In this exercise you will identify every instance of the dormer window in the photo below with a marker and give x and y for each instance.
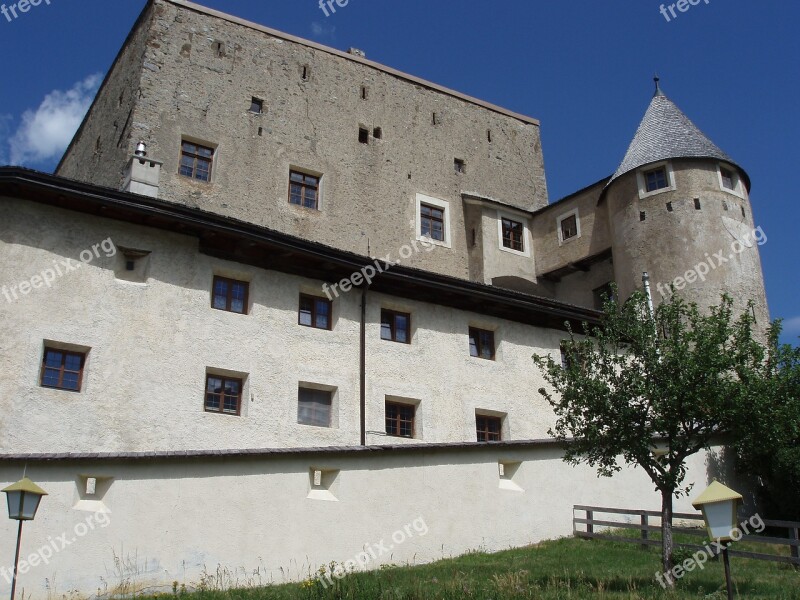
(655, 179)
(729, 180)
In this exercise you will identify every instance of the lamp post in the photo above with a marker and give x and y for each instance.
(23, 501)
(720, 506)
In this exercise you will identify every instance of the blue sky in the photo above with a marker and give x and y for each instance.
(583, 67)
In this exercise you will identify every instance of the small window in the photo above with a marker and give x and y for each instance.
(656, 179)
(459, 165)
(669, 207)
(223, 395)
(256, 106)
(481, 343)
(196, 161)
(436, 119)
(642, 215)
(488, 428)
(364, 92)
(569, 227)
(697, 204)
(603, 294)
(432, 222)
(513, 232)
(219, 48)
(62, 370)
(305, 72)
(395, 326)
(230, 295)
(728, 178)
(315, 312)
(744, 214)
(314, 407)
(363, 135)
(303, 190)
(400, 419)
(489, 135)
(377, 133)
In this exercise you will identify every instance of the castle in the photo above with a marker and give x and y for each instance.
(279, 301)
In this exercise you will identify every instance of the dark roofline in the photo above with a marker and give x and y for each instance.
(247, 243)
(281, 452)
(603, 181)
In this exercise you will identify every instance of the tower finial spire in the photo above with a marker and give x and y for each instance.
(658, 92)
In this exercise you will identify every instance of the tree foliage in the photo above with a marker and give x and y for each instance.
(653, 389)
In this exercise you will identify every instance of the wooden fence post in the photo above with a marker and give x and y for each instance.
(590, 518)
(645, 532)
(794, 533)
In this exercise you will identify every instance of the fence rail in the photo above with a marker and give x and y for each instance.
(584, 527)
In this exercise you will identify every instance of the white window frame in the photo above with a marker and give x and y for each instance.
(738, 189)
(561, 218)
(444, 205)
(642, 182)
(526, 236)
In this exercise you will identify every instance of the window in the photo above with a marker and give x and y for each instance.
(728, 178)
(223, 395)
(395, 326)
(364, 92)
(196, 161)
(656, 179)
(377, 133)
(488, 428)
(62, 370)
(697, 204)
(432, 222)
(314, 407)
(481, 343)
(305, 72)
(602, 294)
(230, 295)
(513, 235)
(400, 419)
(256, 106)
(303, 190)
(460, 165)
(315, 312)
(569, 227)
(363, 135)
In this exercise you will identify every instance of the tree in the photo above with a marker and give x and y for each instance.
(651, 390)
(766, 434)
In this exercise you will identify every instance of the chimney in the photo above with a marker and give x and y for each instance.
(357, 52)
(142, 173)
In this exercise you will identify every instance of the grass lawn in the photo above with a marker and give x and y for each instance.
(566, 568)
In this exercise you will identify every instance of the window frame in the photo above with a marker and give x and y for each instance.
(229, 296)
(641, 178)
(195, 157)
(486, 430)
(314, 313)
(422, 199)
(62, 369)
(399, 420)
(525, 239)
(304, 186)
(224, 379)
(560, 229)
(394, 314)
(314, 390)
(479, 343)
(738, 187)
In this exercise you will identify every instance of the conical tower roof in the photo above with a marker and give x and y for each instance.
(666, 133)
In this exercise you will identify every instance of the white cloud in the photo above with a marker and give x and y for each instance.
(45, 133)
(321, 30)
(791, 326)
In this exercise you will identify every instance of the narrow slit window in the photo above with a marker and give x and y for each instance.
(697, 203)
(363, 135)
(364, 92)
(642, 215)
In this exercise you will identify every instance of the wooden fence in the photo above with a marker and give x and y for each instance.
(639, 520)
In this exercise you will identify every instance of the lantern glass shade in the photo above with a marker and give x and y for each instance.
(22, 506)
(720, 519)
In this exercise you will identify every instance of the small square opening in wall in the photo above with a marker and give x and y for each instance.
(256, 105)
(642, 215)
(323, 484)
(363, 135)
(697, 204)
(132, 264)
(377, 133)
(507, 471)
(459, 165)
(92, 490)
(669, 207)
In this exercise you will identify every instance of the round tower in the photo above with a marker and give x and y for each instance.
(679, 209)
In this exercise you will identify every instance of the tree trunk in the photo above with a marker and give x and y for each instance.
(666, 535)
